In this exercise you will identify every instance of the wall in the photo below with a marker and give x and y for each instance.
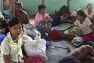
(31, 5)
(1, 5)
(77, 4)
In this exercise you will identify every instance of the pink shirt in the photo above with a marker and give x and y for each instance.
(40, 17)
(90, 16)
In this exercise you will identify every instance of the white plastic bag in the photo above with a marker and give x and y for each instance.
(77, 41)
(30, 30)
(35, 47)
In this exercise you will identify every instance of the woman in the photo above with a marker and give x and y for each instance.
(11, 45)
(20, 13)
(85, 25)
(90, 12)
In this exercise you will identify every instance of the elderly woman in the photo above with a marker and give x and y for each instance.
(90, 12)
(20, 13)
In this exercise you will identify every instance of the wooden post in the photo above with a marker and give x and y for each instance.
(68, 3)
(12, 8)
(43, 2)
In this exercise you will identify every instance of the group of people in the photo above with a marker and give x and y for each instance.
(11, 47)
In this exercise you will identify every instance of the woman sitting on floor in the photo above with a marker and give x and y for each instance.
(30, 29)
(90, 12)
(20, 13)
(85, 25)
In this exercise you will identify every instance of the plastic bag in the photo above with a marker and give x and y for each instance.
(2, 36)
(35, 47)
(77, 41)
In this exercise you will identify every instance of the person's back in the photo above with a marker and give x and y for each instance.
(81, 52)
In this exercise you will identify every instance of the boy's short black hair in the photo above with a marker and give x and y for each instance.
(41, 7)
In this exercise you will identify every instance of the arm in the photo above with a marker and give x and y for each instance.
(2, 31)
(92, 27)
(70, 27)
(47, 20)
(27, 18)
(43, 22)
(50, 19)
(7, 59)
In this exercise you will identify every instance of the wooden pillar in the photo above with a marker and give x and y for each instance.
(43, 2)
(68, 3)
(12, 8)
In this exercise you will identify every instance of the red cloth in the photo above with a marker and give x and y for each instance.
(56, 34)
(35, 59)
(89, 37)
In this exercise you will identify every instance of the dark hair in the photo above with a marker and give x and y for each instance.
(14, 21)
(81, 13)
(88, 4)
(41, 7)
(19, 4)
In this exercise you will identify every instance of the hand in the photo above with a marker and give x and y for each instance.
(24, 57)
(3, 30)
(43, 22)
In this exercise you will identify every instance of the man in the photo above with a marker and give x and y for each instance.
(79, 54)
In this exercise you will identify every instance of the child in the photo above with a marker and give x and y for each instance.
(85, 25)
(11, 45)
(79, 54)
(43, 21)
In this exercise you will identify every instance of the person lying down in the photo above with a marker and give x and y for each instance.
(79, 54)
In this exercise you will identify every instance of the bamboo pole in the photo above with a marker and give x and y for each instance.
(12, 8)
(43, 2)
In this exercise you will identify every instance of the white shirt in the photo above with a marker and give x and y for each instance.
(1, 15)
(8, 47)
(85, 26)
(90, 16)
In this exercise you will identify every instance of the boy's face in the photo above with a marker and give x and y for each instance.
(43, 11)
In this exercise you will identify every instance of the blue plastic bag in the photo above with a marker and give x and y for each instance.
(2, 36)
(47, 43)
